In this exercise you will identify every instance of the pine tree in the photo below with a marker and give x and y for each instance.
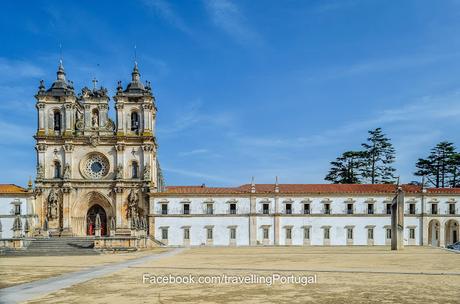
(454, 171)
(379, 157)
(346, 169)
(441, 167)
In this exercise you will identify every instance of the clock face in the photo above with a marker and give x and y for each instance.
(96, 166)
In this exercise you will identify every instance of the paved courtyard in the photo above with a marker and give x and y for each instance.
(343, 275)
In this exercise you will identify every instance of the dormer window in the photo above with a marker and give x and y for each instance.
(57, 121)
(135, 122)
(57, 169)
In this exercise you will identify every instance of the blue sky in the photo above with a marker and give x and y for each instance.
(245, 88)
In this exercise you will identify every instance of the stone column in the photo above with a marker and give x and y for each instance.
(41, 118)
(397, 221)
(442, 235)
(120, 118)
(276, 221)
(253, 221)
(68, 110)
(119, 208)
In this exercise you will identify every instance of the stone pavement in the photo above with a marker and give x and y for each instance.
(27, 291)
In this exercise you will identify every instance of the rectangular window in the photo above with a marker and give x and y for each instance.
(349, 233)
(327, 208)
(266, 233)
(306, 208)
(209, 209)
(349, 208)
(233, 208)
(186, 234)
(232, 233)
(17, 209)
(388, 208)
(370, 233)
(326, 233)
(412, 208)
(451, 208)
(209, 233)
(186, 208)
(288, 233)
(370, 208)
(288, 208)
(164, 208)
(388, 233)
(266, 208)
(412, 233)
(434, 208)
(164, 233)
(306, 233)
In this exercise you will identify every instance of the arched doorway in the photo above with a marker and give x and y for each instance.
(451, 232)
(433, 233)
(91, 220)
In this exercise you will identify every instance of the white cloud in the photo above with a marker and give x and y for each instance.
(15, 69)
(164, 9)
(226, 15)
(203, 176)
(191, 115)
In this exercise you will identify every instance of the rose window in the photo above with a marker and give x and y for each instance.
(96, 166)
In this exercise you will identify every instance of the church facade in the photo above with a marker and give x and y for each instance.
(94, 173)
(98, 177)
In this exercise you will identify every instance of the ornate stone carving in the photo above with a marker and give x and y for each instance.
(147, 172)
(67, 171)
(40, 172)
(53, 205)
(68, 147)
(41, 147)
(133, 205)
(109, 125)
(119, 172)
(94, 140)
(120, 147)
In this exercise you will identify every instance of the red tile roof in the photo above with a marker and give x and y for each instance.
(11, 189)
(443, 190)
(295, 189)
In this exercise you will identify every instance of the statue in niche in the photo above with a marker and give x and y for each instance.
(147, 172)
(67, 171)
(95, 119)
(53, 205)
(133, 202)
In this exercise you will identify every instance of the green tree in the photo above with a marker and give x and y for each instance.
(347, 168)
(379, 157)
(441, 167)
(454, 170)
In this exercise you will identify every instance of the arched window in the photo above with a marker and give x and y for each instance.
(135, 122)
(57, 121)
(57, 169)
(135, 170)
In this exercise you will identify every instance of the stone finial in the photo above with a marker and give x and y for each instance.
(30, 184)
(253, 186)
(135, 74)
(61, 73)
(277, 186)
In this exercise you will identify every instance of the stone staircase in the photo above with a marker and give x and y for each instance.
(54, 246)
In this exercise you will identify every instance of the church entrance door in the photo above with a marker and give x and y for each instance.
(91, 220)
